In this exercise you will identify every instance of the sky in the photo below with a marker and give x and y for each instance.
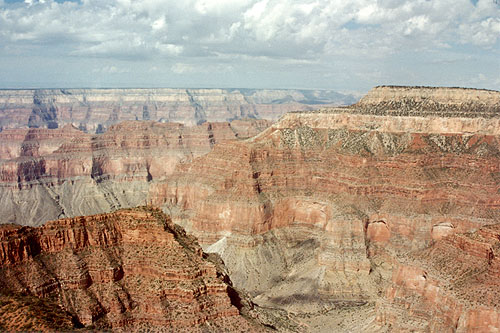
(348, 46)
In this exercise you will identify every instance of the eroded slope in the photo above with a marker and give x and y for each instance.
(131, 269)
(323, 207)
(51, 173)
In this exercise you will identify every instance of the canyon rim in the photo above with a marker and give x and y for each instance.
(306, 166)
(381, 216)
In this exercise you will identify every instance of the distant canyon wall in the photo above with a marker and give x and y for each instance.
(50, 173)
(94, 110)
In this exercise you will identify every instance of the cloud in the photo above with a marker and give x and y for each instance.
(253, 32)
(482, 33)
(184, 68)
(169, 49)
(159, 24)
(181, 68)
(110, 70)
(169, 28)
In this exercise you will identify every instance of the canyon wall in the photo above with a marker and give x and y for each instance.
(50, 173)
(380, 216)
(323, 206)
(452, 286)
(94, 110)
(128, 270)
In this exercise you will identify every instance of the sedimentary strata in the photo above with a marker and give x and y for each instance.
(128, 270)
(51, 173)
(323, 207)
(94, 110)
(385, 211)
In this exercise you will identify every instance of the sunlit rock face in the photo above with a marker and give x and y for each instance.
(452, 286)
(130, 270)
(50, 173)
(325, 206)
(384, 211)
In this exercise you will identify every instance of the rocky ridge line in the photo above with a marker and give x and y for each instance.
(128, 270)
(95, 110)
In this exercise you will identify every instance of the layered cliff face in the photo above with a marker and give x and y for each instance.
(127, 270)
(323, 207)
(94, 110)
(379, 216)
(51, 173)
(452, 286)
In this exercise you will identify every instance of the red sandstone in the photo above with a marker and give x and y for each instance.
(124, 270)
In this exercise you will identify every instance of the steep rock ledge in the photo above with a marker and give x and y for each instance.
(131, 269)
(320, 207)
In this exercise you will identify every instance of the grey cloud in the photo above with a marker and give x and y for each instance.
(319, 33)
(103, 27)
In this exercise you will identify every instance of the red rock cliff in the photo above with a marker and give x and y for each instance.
(453, 286)
(354, 188)
(49, 173)
(124, 270)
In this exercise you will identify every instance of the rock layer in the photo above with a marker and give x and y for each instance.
(453, 286)
(94, 110)
(320, 207)
(430, 101)
(51, 173)
(132, 269)
(366, 208)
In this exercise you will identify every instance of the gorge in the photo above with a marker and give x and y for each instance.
(380, 216)
(94, 110)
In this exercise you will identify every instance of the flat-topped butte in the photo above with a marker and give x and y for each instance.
(425, 102)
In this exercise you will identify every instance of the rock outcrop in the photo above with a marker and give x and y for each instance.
(384, 211)
(430, 101)
(320, 207)
(128, 270)
(94, 110)
(50, 173)
(453, 286)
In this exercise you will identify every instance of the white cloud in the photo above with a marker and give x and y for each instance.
(184, 68)
(183, 34)
(181, 68)
(111, 70)
(219, 7)
(169, 49)
(158, 24)
(97, 27)
(482, 33)
(416, 23)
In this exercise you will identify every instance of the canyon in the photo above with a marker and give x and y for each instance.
(380, 216)
(94, 110)
(131, 269)
(327, 207)
(51, 173)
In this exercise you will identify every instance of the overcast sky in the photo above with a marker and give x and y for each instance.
(335, 44)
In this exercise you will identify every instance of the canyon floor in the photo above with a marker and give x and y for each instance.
(382, 216)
